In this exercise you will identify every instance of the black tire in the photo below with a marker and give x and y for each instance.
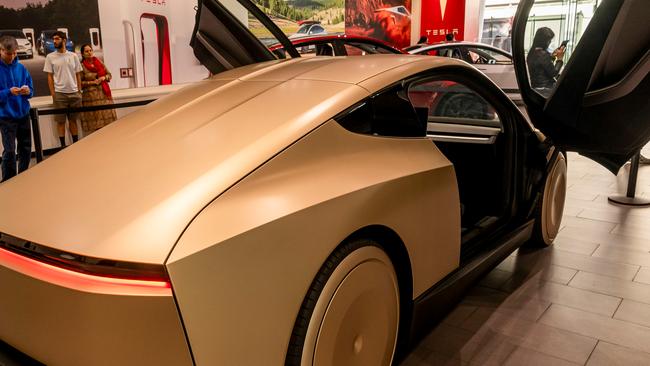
(299, 333)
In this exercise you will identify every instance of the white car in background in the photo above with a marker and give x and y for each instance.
(309, 28)
(492, 61)
(24, 45)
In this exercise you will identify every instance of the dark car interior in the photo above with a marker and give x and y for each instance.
(467, 130)
(463, 126)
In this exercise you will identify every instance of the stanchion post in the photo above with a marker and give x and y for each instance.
(630, 198)
(634, 173)
(36, 129)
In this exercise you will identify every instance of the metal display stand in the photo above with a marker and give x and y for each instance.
(629, 199)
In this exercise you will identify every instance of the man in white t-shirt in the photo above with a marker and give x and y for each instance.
(64, 79)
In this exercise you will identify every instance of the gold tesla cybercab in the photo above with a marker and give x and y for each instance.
(303, 211)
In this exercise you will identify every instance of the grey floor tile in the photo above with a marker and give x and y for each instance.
(588, 224)
(593, 264)
(572, 211)
(637, 231)
(417, 357)
(546, 339)
(460, 313)
(592, 188)
(458, 346)
(616, 214)
(495, 279)
(527, 357)
(598, 326)
(634, 312)
(643, 276)
(581, 195)
(607, 354)
(572, 297)
(527, 309)
(435, 359)
(574, 245)
(603, 238)
(612, 286)
(552, 273)
(623, 255)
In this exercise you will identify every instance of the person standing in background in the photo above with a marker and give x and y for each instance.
(96, 91)
(15, 90)
(64, 79)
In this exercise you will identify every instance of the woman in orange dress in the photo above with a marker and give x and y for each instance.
(95, 91)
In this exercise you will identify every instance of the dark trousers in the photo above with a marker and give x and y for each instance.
(13, 130)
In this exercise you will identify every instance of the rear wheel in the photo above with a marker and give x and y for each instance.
(350, 315)
(548, 215)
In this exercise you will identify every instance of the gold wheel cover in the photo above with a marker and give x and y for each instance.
(356, 317)
(553, 201)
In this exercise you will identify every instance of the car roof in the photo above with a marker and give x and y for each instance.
(331, 37)
(458, 43)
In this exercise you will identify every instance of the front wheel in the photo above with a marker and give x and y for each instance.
(548, 215)
(350, 315)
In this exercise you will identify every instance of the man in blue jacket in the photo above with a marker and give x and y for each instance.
(15, 90)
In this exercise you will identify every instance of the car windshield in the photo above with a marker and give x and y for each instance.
(12, 33)
(303, 29)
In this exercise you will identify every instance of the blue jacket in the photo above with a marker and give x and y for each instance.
(14, 74)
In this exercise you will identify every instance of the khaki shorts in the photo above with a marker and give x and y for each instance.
(66, 100)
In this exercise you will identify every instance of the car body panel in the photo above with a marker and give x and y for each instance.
(598, 106)
(283, 221)
(237, 123)
(58, 325)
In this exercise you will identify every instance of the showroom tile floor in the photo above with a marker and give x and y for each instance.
(584, 301)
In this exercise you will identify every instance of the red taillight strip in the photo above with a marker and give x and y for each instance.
(82, 281)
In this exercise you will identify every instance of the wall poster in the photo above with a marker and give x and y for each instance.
(387, 20)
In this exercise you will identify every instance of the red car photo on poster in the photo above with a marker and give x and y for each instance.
(389, 21)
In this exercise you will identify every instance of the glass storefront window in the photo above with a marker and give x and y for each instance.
(567, 18)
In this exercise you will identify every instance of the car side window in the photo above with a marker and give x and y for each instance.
(448, 101)
(451, 52)
(389, 113)
(486, 56)
(316, 29)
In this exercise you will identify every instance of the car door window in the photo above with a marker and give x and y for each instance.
(455, 110)
(451, 52)
(318, 49)
(389, 113)
(498, 57)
